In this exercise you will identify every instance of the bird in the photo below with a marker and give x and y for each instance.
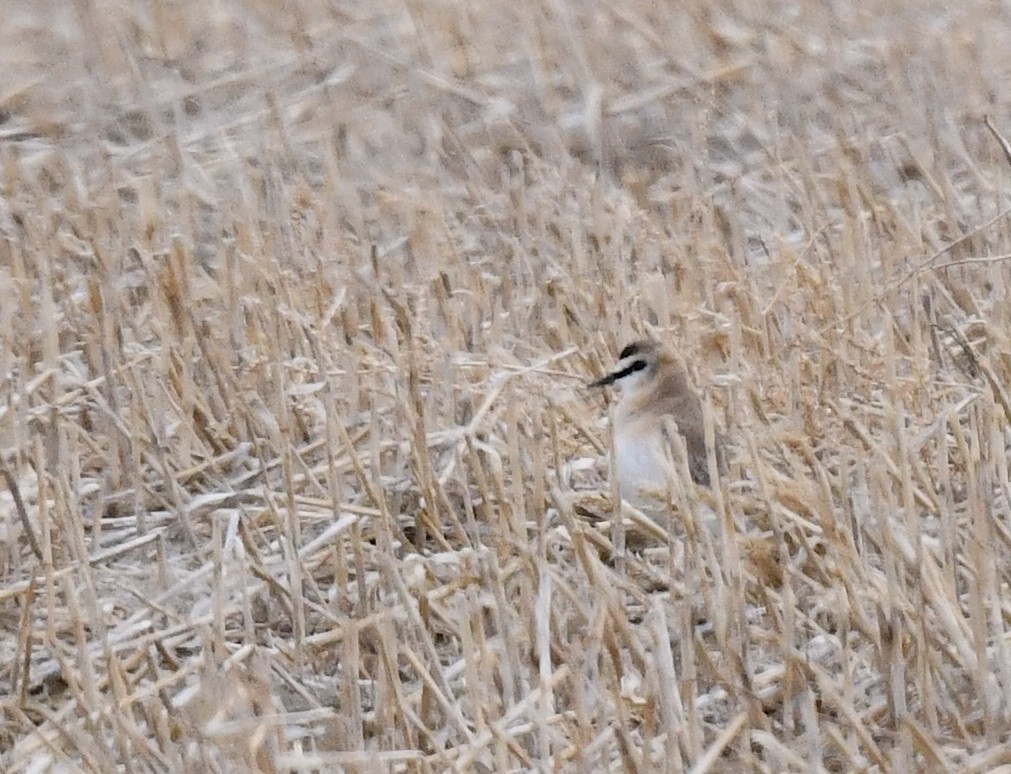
(656, 395)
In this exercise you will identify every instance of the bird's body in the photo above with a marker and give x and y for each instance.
(657, 399)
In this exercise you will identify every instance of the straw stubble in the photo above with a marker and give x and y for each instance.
(298, 469)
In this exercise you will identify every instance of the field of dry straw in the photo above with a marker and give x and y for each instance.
(298, 300)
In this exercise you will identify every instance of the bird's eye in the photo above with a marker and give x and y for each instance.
(638, 365)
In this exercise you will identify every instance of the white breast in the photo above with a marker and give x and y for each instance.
(641, 467)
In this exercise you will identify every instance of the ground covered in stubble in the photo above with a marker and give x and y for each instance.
(297, 467)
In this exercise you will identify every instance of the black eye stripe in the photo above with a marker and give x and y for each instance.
(631, 368)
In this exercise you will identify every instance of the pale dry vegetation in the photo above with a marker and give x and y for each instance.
(297, 303)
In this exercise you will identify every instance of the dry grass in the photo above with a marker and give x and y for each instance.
(296, 305)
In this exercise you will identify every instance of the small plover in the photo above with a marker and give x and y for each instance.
(656, 394)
